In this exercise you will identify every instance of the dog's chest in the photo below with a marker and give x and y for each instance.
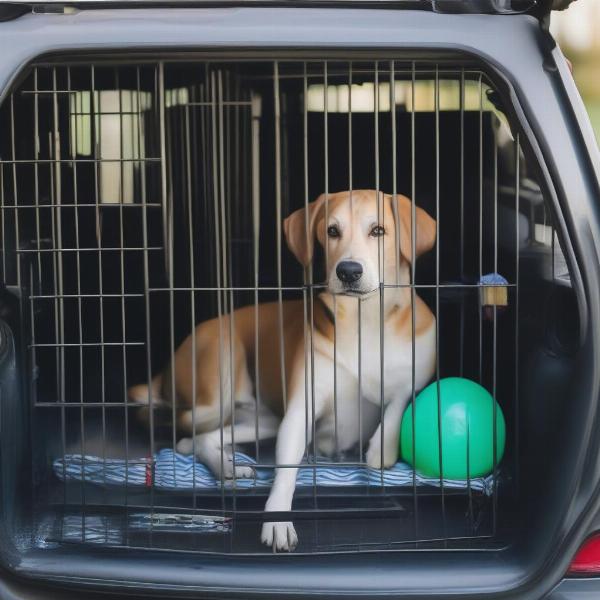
(384, 368)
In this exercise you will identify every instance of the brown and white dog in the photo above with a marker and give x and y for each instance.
(363, 248)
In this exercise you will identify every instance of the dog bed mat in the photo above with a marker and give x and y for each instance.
(171, 471)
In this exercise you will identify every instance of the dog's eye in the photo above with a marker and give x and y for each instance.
(333, 231)
(377, 231)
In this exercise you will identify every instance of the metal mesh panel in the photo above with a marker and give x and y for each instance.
(141, 200)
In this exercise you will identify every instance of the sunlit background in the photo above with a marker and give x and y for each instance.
(577, 30)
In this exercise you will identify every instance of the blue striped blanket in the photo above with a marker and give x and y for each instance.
(169, 470)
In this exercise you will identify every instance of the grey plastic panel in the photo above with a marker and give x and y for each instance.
(553, 119)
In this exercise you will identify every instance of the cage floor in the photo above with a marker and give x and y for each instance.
(114, 505)
(345, 522)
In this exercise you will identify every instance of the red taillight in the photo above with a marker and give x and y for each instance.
(587, 559)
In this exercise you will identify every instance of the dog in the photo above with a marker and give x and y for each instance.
(367, 239)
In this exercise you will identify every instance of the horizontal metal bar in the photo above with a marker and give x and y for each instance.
(225, 57)
(102, 114)
(100, 249)
(86, 345)
(61, 404)
(343, 73)
(220, 103)
(263, 516)
(229, 289)
(456, 286)
(417, 286)
(52, 161)
(74, 91)
(55, 296)
(310, 465)
(295, 514)
(87, 205)
(324, 549)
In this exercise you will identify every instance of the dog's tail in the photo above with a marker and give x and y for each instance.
(144, 394)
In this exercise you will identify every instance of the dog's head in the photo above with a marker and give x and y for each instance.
(366, 236)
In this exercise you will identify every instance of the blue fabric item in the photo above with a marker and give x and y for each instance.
(492, 279)
(173, 471)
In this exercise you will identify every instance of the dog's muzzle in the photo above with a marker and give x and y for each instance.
(349, 271)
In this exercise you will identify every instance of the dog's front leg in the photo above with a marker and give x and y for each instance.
(390, 425)
(291, 443)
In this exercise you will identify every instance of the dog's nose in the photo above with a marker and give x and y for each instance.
(349, 271)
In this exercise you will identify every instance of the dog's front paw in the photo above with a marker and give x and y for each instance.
(185, 446)
(220, 463)
(374, 454)
(228, 471)
(280, 536)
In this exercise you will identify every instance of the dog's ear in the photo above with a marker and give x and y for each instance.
(425, 229)
(299, 230)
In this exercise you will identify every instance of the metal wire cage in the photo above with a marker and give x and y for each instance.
(140, 199)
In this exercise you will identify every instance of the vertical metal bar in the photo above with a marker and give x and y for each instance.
(413, 253)
(359, 374)
(495, 349)
(36, 141)
(217, 167)
(122, 275)
(74, 100)
(238, 171)
(517, 284)
(326, 192)
(462, 304)
(394, 169)
(314, 457)
(15, 186)
(2, 214)
(34, 383)
(359, 315)
(255, 152)
(462, 220)
(277, 111)
(221, 250)
(495, 166)
(480, 219)
(36, 193)
(163, 162)
(381, 276)
(147, 304)
(54, 258)
(326, 153)
(307, 341)
(59, 258)
(166, 168)
(350, 186)
(437, 290)
(350, 183)
(190, 207)
(285, 167)
(308, 273)
(57, 189)
(97, 110)
(206, 184)
(469, 490)
(226, 253)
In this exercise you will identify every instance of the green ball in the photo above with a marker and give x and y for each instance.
(466, 412)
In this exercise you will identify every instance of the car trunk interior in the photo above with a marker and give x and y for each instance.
(141, 198)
